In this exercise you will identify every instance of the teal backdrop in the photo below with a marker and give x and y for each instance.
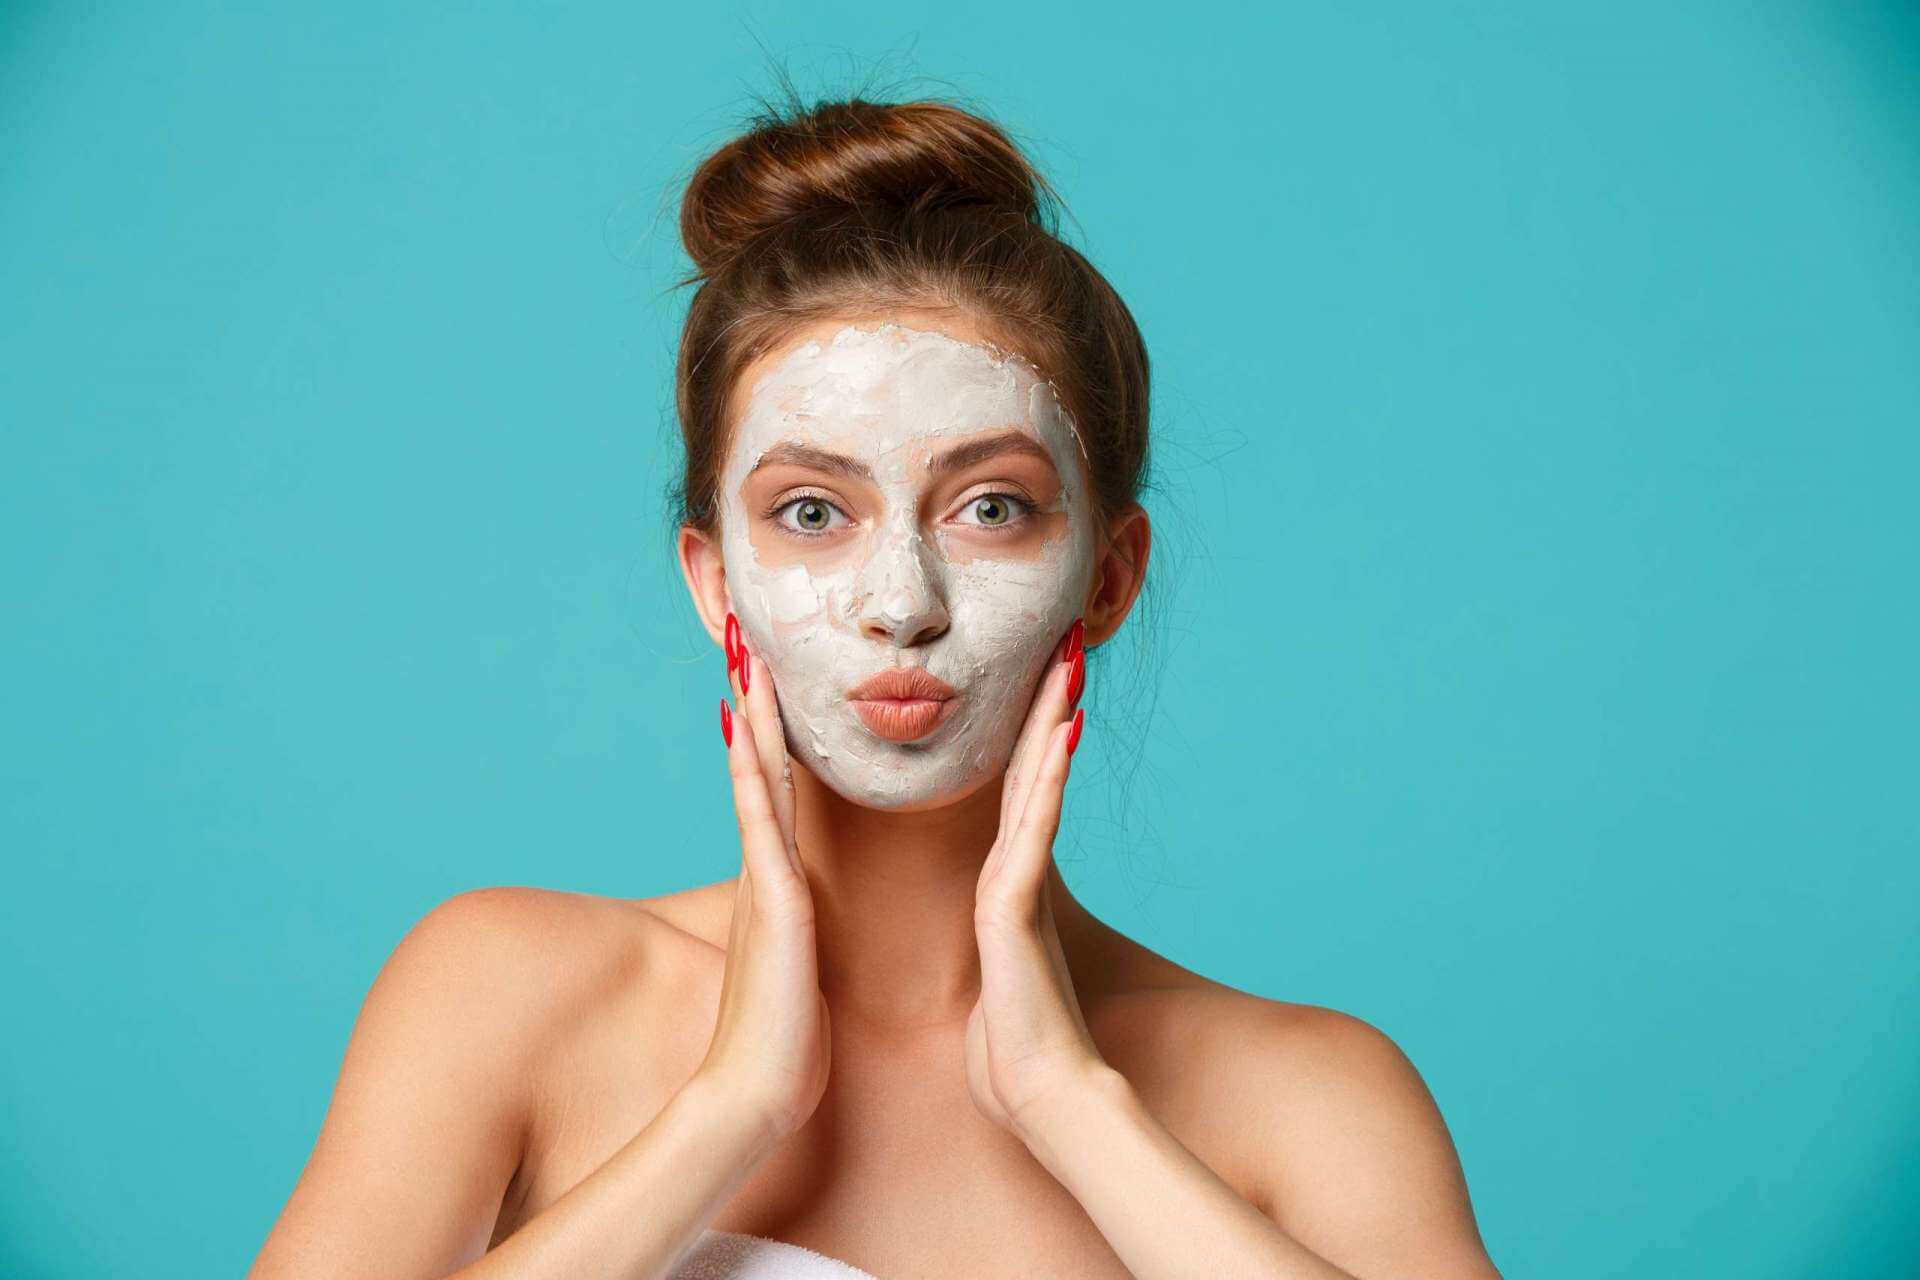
(1529, 669)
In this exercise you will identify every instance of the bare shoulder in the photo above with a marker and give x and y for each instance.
(532, 969)
(581, 928)
(1326, 1117)
(1369, 1174)
(581, 991)
(527, 937)
(439, 1088)
(563, 953)
(508, 967)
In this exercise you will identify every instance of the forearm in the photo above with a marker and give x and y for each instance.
(1164, 1212)
(636, 1215)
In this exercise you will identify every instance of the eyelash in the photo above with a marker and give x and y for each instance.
(793, 500)
(1024, 509)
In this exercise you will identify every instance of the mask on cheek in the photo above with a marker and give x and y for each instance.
(895, 594)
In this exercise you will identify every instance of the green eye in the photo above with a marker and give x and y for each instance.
(810, 515)
(994, 509)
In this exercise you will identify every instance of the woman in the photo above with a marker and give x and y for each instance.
(894, 1045)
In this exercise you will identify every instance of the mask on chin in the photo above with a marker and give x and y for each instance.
(945, 570)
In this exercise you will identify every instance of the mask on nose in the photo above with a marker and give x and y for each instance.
(906, 588)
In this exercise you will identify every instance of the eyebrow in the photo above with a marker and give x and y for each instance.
(795, 454)
(958, 458)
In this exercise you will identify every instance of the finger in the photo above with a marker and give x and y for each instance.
(742, 912)
(1050, 709)
(763, 846)
(761, 706)
(1047, 710)
(1030, 848)
(731, 639)
(1029, 728)
(1050, 936)
(763, 709)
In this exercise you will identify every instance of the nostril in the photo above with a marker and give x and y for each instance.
(903, 605)
(905, 634)
(926, 632)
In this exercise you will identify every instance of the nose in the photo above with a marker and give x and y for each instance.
(901, 599)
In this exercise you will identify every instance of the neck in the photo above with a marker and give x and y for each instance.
(893, 897)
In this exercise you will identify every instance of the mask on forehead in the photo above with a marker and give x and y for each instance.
(904, 589)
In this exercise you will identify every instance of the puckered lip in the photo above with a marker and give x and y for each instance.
(901, 684)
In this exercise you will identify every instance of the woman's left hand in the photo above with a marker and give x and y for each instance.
(1026, 1038)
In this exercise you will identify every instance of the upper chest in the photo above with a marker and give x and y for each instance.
(896, 1171)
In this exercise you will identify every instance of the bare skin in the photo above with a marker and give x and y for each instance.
(522, 1037)
(895, 1168)
(896, 1172)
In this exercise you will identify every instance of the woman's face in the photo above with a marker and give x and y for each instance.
(895, 497)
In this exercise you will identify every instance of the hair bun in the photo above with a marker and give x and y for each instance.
(851, 154)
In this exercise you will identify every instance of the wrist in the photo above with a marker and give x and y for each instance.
(1083, 1096)
(713, 1102)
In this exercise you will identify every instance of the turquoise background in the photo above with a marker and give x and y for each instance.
(1529, 670)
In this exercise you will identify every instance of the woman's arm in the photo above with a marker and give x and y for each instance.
(430, 1116)
(637, 1214)
(1378, 1186)
(1383, 1193)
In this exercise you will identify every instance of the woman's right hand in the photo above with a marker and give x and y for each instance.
(770, 1044)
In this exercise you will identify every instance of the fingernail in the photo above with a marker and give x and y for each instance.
(1073, 734)
(743, 668)
(733, 640)
(726, 722)
(1077, 678)
(1076, 638)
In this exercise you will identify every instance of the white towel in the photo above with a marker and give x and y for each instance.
(729, 1255)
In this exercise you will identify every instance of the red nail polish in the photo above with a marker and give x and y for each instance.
(733, 640)
(1076, 638)
(1076, 678)
(726, 722)
(1073, 734)
(743, 668)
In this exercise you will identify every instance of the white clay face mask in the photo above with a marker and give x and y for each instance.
(904, 553)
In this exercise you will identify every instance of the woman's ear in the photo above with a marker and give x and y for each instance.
(706, 575)
(1119, 573)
